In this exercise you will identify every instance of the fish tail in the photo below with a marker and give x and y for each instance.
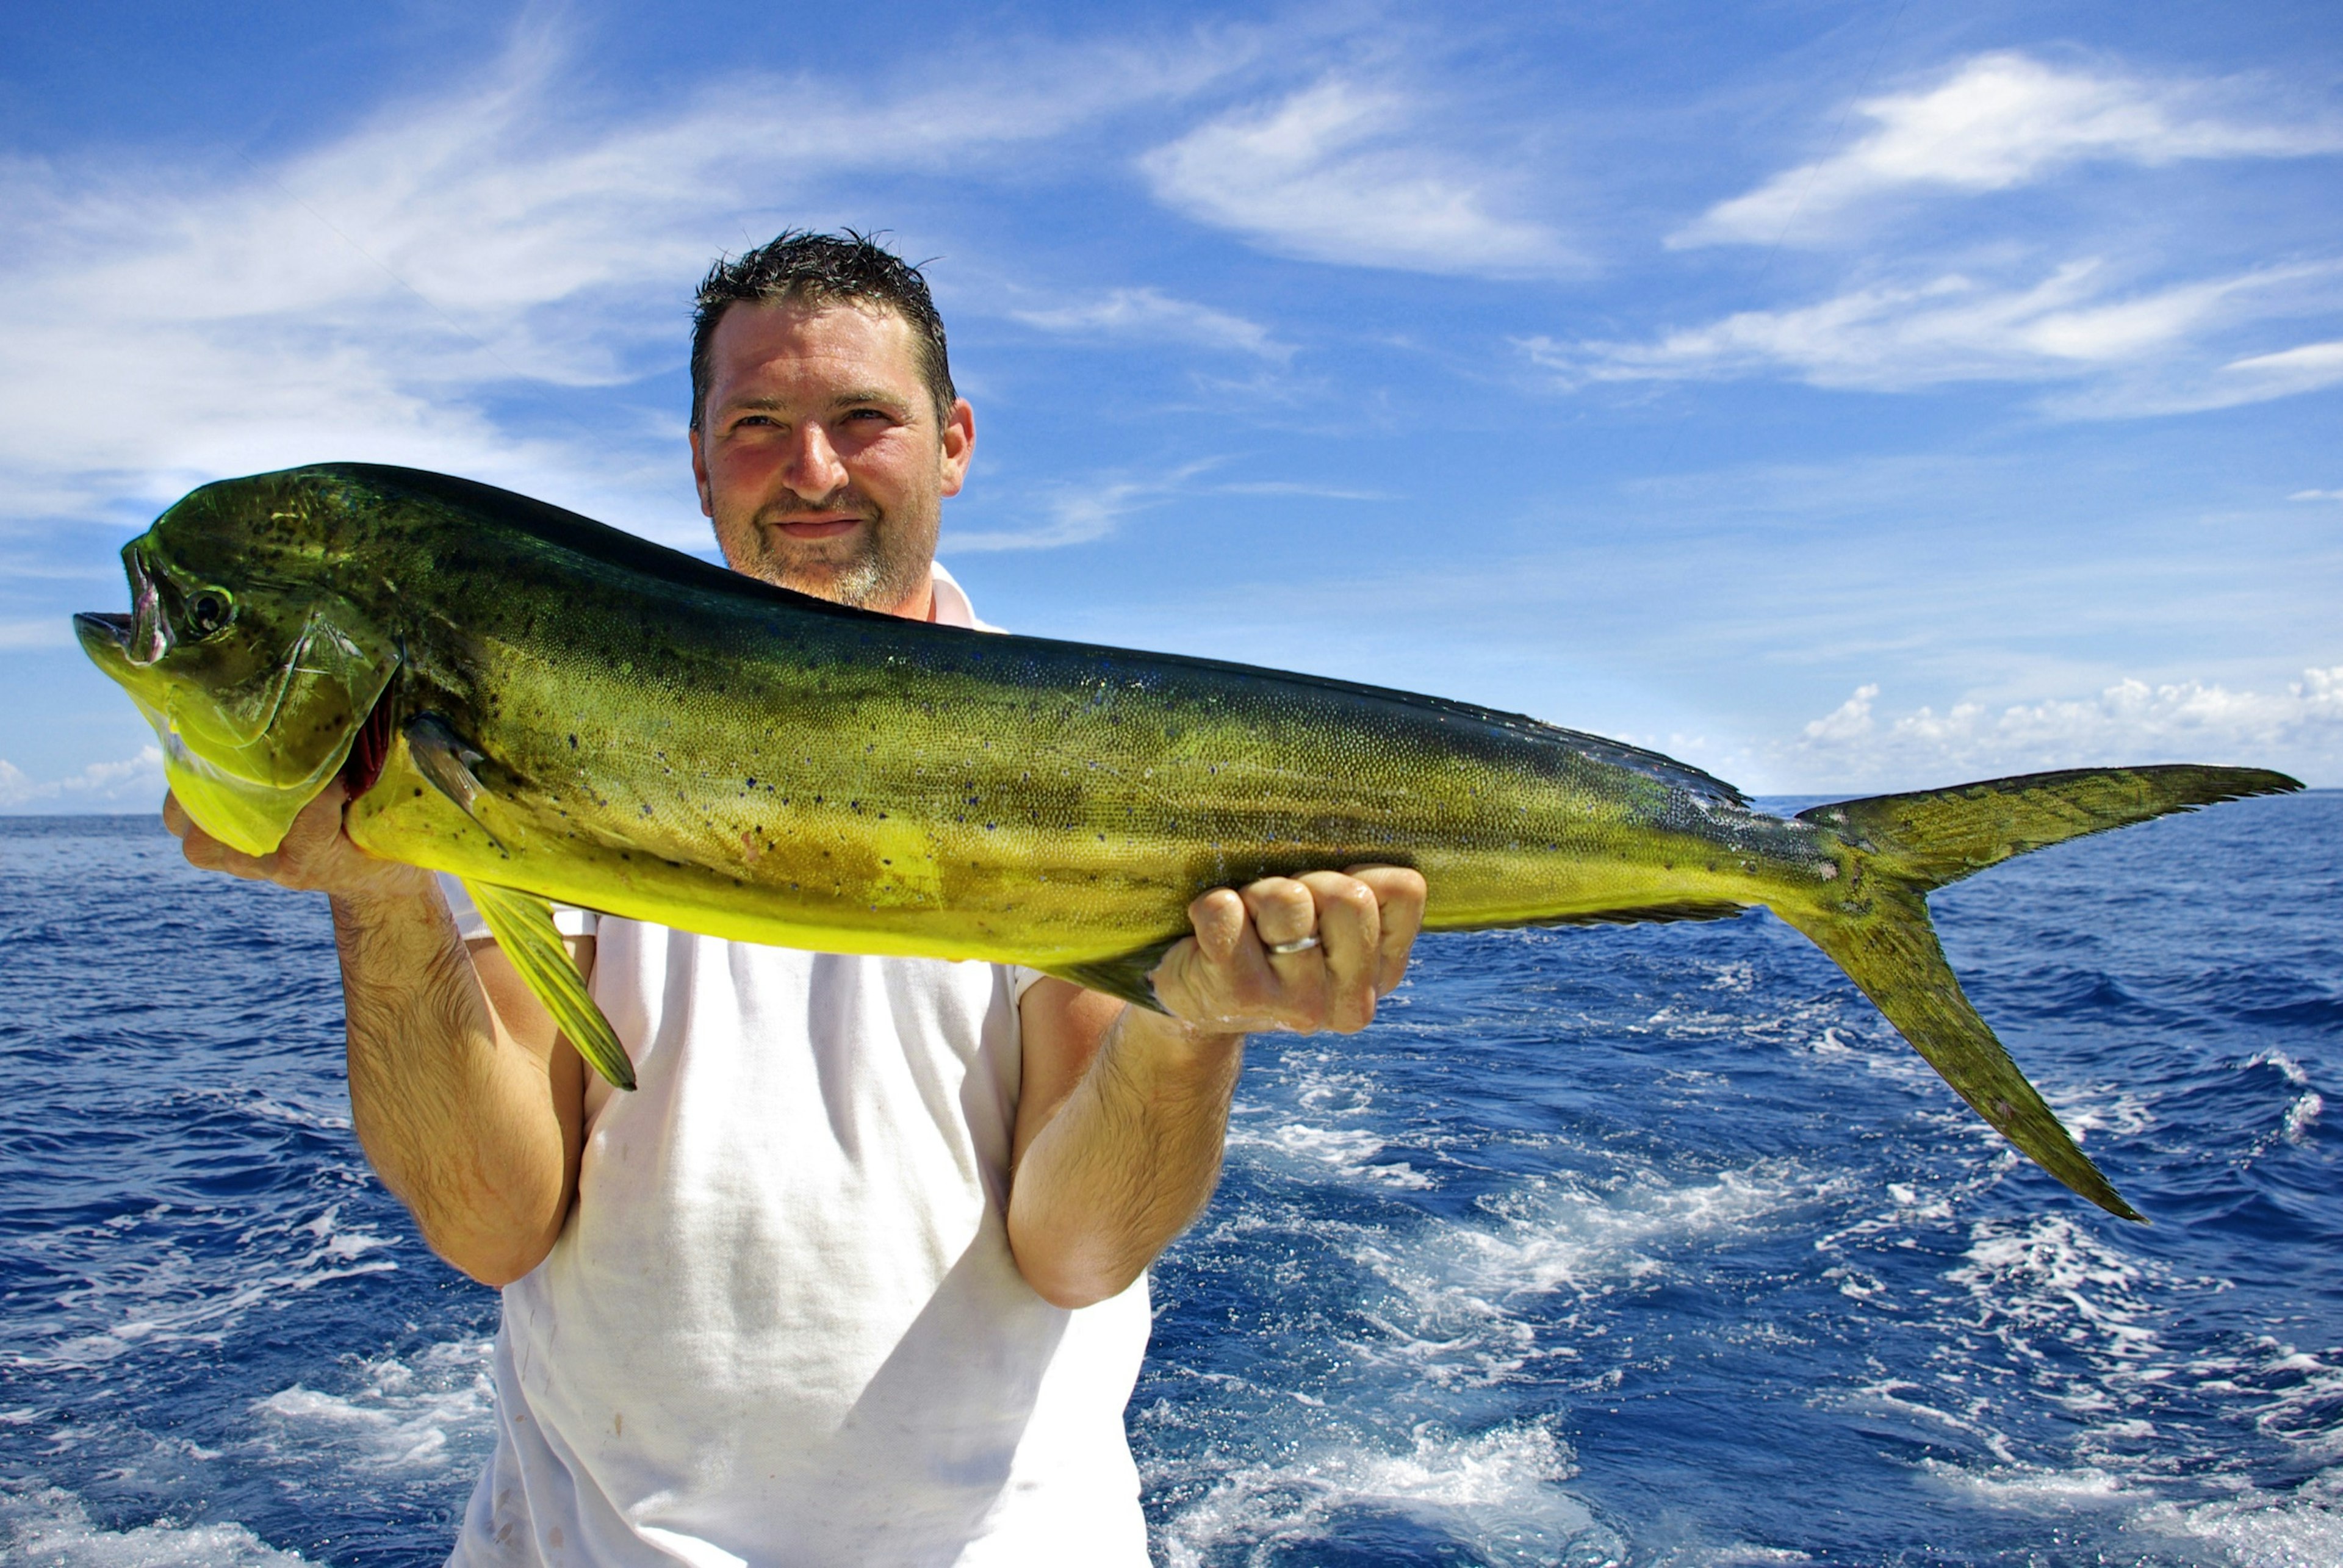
(1875, 924)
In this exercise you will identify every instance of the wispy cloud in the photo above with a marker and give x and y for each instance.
(1150, 316)
(138, 778)
(1078, 515)
(2316, 496)
(1301, 490)
(47, 631)
(2076, 322)
(1995, 122)
(426, 287)
(2303, 369)
(2130, 721)
(1342, 173)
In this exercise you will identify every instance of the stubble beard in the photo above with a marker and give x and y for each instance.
(880, 566)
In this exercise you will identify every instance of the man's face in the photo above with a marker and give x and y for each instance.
(819, 459)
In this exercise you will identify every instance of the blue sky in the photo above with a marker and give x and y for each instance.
(1840, 396)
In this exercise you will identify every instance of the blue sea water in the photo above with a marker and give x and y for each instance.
(1647, 1246)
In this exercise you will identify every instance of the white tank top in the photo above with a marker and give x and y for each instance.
(783, 1325)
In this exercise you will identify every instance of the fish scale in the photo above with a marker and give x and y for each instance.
(552, 709)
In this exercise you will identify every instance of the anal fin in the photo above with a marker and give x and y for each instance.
(522, 924)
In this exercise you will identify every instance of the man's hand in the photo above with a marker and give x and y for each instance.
(315, 856)
(467, 1103)
(1301, 953)
(1123, 1112)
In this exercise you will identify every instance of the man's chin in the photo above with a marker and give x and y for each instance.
(849, 568)
(860, 584)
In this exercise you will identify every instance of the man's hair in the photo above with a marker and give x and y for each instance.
(800, 267)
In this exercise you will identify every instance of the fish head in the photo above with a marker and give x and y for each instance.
(247, 649)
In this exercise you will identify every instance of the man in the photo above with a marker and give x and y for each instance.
(858, 1273)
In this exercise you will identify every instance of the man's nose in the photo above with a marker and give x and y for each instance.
(814, 470)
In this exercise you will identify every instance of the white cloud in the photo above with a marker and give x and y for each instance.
(2303, 369)
(1301, 490)
(1995, 122)
(1341, 173)
(2132, 721)
(2316, 496)
(2073, 324)
(1148, 315)
(45, 631)
(425, 287)
(1077, 516)
(138, 778)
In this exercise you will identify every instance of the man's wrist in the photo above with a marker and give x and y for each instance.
(393, 892)
(1172, 1041)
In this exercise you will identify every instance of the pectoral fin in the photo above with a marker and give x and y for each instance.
(445, 759)
(522, 924)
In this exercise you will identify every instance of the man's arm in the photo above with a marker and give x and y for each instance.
(467, 1100)
(1123, 1112)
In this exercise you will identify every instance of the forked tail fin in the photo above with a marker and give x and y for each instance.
(1875, 924)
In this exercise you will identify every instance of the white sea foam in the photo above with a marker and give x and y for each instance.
(164, 1294)
(1464, 1304)
(2301, 1115)
(2084, 1323)
(51, 1528)
(2108, 1108)
(1328, 1138)
(2049, 1277)
(1342, 1151)
(2036, 1488)
(2301, 1529)
(401, 1417)
(1497, 1495)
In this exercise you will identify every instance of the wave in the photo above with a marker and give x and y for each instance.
(429, 1414)
(1495, 1494)
(49, 1527)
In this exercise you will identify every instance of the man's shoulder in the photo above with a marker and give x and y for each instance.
(953, 606)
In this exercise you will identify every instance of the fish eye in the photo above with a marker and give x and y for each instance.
(209, 610)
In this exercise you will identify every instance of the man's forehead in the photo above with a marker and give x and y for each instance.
(782, 324)
(832, 351)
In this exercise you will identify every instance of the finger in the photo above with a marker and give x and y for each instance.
(1219, 919)
(1235, 978)
(207, 853)
(1285, 911)
(1220, 977)
(1349, 932)
(1282, 909)
(175, 816)
(309, 844)
(1400, 897)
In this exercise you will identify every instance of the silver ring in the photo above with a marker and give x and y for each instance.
(1298, 945)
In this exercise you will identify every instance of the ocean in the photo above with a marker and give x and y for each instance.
(1645, 1246)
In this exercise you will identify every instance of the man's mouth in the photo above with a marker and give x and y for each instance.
(819, 528)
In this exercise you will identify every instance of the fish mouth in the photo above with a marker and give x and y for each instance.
(106, 626)
(140, 639)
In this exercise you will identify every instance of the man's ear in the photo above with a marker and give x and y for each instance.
(959, 445)
(700, 477)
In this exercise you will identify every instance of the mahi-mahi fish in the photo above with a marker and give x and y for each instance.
(552, 709)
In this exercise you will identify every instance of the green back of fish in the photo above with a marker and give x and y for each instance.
(677, 743)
